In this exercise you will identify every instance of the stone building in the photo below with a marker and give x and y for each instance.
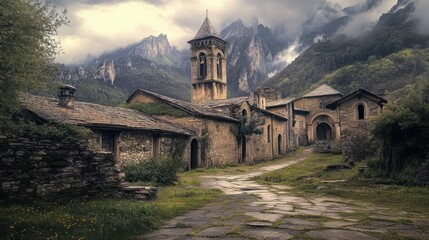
(356, 111)
(216, 122)
(128, 134)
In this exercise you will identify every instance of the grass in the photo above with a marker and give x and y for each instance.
(98, 218)
(307, 175)
(193, 177)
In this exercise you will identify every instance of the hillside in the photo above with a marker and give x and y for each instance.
(378, 59)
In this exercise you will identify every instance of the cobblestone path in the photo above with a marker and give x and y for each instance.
(248, 210)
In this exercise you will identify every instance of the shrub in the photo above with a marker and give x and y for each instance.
(161, 170)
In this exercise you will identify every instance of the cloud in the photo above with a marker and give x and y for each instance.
(104, 25)
(363, 22)
(421, 13)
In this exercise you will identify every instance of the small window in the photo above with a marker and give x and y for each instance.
(244, 116)
(269, 133)
(156, 145)
(203, 66)
(361, 112)
(301, 125)
(107, 141)
(219, 66)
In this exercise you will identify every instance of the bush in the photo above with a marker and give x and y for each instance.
(402, 133)
(161, 170)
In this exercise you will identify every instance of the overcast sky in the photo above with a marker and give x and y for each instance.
(97, 26)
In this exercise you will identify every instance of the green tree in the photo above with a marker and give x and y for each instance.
(402, 132)
(27, 48)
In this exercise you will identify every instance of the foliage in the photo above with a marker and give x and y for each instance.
(57, 131)
(402, 132)
(157, 108)
(97, 92)
(359, 62)
(27, 48)
(99, 218)
(251, 126)
(162, 169)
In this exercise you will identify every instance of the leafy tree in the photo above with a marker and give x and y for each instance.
(402, 132)
(27, 48)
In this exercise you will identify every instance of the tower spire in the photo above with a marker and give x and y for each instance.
(207, 13)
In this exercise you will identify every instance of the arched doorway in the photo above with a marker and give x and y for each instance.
(324, 132)
(194, 154)
(279, 143)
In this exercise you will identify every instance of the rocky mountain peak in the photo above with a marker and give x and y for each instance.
(152, 47)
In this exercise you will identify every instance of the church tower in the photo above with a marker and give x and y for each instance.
(208, 65)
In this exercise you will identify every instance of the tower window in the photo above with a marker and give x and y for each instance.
(219, 66)
(361, 112)
(203, 66)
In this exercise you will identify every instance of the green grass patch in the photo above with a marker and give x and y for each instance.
(99, 218)
(307, 175)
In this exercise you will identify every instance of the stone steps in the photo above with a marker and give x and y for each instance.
(139, 193)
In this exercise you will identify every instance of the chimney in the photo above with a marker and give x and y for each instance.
(66, 96)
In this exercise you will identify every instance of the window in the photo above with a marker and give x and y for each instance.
(301, 125)
(107, 141)
(203, 66)
(269, 133)
(156, 145)
(361, 112)
(244, 116)
(219, 66)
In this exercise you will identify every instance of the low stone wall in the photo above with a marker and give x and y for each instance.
(40, 168)
(322, 146)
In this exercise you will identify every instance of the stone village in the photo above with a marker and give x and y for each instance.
(216, 130)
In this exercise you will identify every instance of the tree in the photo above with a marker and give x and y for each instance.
(402, 131)
(27, 48)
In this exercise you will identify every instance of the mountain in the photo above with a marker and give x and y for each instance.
(151, 64)
(250, 51)
(389, 56)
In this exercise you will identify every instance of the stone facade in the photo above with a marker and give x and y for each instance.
(356, 113)
(41, 168)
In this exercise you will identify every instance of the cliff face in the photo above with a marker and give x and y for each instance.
(250, 53)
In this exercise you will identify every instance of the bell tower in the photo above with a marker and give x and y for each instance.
(208, 65)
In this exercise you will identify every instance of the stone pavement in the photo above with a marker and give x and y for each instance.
(248, 210)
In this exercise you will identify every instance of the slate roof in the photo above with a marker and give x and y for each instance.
(206, 30)
(279, 102)
(323, 90)
(194, 109)
(96, 116)
(226, 102)
(357, 93)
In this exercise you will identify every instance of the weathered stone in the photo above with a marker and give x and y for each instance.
(334, 234)
(259, 224)
(215, 232)
(268, 217)
(273, 233)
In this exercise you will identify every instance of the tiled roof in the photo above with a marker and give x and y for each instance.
(206, 30)
(191, 108)
(323, 90)
(279, 102)
(95, 115)
(226, 102)
(361, 91)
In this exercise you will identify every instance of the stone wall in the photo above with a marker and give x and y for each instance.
(355, 133)
(40, 168)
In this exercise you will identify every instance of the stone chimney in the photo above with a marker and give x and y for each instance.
(66, 96)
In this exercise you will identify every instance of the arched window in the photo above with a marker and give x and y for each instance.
(244, 115)
(361, 112)
(219, 66)
(269, 133)
(203, 66)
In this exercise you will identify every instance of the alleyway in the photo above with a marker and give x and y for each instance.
(248, 210)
